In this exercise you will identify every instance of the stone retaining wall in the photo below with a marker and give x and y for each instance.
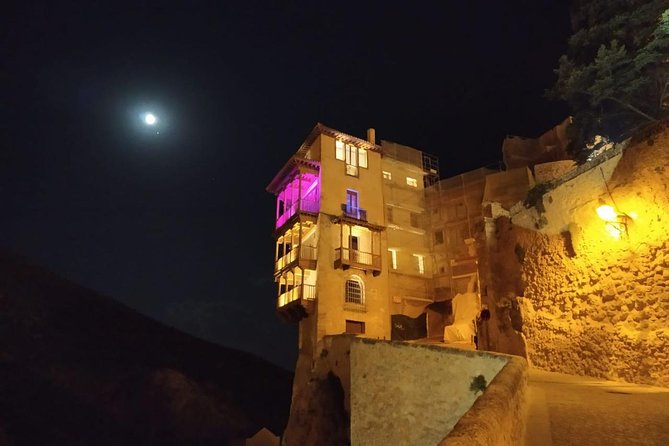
(573, 295)
(497, 418)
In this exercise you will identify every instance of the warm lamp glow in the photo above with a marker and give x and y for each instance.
(614, 230)
(607, 213)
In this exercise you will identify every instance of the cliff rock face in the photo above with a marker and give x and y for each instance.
(590, 297)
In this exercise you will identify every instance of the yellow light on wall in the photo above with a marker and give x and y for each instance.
(616, 223)
(607, 213)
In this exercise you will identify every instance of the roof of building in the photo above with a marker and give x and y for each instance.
(294, 164)
(321, 129)
(299, 161)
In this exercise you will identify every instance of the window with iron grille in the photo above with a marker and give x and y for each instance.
(354, 291)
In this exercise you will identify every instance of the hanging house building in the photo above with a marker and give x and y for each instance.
(361, 242)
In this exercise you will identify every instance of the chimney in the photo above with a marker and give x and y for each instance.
(371, 136)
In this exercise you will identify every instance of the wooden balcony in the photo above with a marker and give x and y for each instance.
(346, 258)
(302, 256)
(296, 303)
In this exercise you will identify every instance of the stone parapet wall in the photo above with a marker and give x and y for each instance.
(497, 418)
(371, 392)
(413, 394)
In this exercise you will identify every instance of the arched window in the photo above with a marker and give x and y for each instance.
(354, 291)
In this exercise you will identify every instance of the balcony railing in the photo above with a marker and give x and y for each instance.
(346, 257)
(306, 253)
(306, 292)
(312, 206)
(357, 213)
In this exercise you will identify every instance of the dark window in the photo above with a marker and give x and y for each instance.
(438, 237)
(355, 327)
(461, 211)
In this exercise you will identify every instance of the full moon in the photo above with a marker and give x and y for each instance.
(150, 119)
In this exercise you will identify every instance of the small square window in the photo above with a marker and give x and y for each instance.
(412, 182)
(355, 327)
(387, 175)
(352, 170)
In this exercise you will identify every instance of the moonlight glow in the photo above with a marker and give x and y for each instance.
(150, 119)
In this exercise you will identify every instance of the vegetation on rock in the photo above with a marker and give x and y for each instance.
(615, 75)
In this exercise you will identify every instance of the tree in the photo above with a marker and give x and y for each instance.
(615, 75)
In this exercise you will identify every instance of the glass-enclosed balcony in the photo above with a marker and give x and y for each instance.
(302, 194)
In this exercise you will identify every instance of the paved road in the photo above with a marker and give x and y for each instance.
(573, 410)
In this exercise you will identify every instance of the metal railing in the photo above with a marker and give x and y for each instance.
(348, 255)
(357, 213)
(306, 292)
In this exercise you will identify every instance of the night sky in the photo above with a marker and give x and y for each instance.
(178, 224)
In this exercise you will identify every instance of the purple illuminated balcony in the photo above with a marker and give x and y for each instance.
(302, 194)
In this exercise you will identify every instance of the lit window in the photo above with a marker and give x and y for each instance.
(387, 175)
(353, 156)
(351, 160)
(420, 263)
(412, 182)
(362, 158)
(393, 258)
(354, 291)
(339, 150)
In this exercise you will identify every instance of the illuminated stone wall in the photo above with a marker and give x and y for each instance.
(585, 301)
(363, 391)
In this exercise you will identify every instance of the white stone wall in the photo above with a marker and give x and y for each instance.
(412, 394)
(372, 392)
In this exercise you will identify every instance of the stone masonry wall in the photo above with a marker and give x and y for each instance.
(591, 303)
(371, 392)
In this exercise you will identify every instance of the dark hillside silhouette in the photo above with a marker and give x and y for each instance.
(78, 368)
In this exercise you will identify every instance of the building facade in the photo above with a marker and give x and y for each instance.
(358, 242)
